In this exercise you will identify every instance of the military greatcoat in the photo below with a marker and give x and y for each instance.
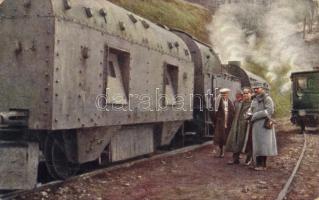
(264, 140)
(238, 131)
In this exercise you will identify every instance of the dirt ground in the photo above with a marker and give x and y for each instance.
(199, 175)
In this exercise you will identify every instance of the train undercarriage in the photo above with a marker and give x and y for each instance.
(305, 119)
(64, 151)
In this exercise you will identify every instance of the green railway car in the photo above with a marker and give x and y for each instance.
(305, 99)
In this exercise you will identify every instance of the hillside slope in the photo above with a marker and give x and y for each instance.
(172, 13)
(212, 5)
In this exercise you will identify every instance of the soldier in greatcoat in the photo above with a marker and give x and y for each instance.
(224, 112)
(263, 139)
(239, 129)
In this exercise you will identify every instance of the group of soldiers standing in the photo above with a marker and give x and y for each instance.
(245, 126)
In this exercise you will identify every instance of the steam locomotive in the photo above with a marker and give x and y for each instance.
(84, 81)
(305, 98)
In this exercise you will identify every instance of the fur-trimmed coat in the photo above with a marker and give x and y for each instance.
(220, 132)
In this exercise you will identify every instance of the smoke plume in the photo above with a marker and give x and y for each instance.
(271, 36)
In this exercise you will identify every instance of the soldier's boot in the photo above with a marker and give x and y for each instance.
(235, 159)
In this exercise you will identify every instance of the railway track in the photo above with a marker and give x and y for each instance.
(12, 195)
(310, 144)
(283, 193)
(305, 184)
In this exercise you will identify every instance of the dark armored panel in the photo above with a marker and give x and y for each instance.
(234, 69)
(254, 79)
(65, 61)
(247, 78)
(207, 65)
(208, 79)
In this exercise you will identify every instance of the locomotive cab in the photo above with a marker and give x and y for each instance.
(305, 97)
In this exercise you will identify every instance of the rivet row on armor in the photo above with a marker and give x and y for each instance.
(67, 4)
(145, 24)
(132, 18)
(33, 46)
(88, 12)
(85, 52)
(18, 48)
(122, 26)
(103, 14)
(27, 4)
(111, 34)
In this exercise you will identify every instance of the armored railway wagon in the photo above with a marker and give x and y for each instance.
(73, 74)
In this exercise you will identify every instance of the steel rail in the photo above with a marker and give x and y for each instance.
(285, 190)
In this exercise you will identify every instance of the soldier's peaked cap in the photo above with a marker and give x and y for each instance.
(258, 85)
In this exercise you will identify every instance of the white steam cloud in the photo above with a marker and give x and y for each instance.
(271, 36)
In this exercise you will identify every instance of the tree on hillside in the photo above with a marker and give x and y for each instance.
(311, 16)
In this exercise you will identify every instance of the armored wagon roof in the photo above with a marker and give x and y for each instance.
(105, 17)
(254, 78)
(189, 35)
(111, 19)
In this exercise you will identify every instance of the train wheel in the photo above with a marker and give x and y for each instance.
(48, 157)
(57, 163)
